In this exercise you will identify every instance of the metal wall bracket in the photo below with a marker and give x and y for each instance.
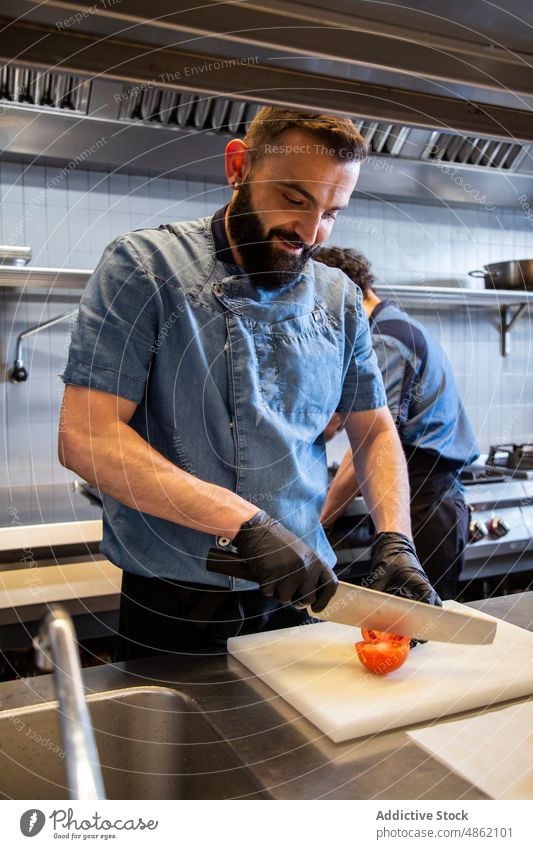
(506, 323)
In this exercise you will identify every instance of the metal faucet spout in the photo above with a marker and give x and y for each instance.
(57, 650)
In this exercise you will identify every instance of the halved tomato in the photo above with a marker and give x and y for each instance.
(381, 652)
(371, 636)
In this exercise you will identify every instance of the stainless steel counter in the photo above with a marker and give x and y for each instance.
(35, 520)
(50, 552)
(289, 757)
(46, 504)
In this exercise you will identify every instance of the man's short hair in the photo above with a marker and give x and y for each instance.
(354, 264)
(340, 135)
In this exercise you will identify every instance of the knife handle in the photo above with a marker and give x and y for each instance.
(227, 563)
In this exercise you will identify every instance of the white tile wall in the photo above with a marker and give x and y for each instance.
(68, 218)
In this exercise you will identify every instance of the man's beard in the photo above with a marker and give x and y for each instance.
(269, 267)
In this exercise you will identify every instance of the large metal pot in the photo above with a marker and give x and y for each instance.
(514, 274)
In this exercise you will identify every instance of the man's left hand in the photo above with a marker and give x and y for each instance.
(397, 570)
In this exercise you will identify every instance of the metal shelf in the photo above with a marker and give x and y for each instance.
(511, 304)
(76, 278)
(44, 278)
(54, 279)
(451, 296)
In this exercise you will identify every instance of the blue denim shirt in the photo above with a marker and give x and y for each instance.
(421, 390)
(234, 384)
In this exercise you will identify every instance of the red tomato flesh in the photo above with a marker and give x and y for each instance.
(381, 652)
(370, 636)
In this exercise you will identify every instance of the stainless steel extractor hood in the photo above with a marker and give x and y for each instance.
(448, 115)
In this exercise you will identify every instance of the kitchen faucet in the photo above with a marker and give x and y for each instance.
(57, 651)
(19, 374)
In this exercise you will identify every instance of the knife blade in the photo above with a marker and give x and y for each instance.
(366, 608)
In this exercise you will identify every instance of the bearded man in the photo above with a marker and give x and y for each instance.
(208, 357)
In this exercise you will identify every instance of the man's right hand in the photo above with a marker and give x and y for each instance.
(283, 565)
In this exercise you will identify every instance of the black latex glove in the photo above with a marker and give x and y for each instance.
(283, 565)
(397, 570)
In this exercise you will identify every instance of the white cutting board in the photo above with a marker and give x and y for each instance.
(315, 669)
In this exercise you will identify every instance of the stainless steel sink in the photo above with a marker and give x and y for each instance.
(153, 742)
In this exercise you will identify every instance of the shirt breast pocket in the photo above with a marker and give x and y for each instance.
(299, 363)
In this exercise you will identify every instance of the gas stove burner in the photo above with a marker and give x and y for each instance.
(511, 456)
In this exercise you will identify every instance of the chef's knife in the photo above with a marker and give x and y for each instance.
(366, 608)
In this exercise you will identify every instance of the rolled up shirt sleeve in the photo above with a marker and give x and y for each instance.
(363, 384)
(112, 343)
